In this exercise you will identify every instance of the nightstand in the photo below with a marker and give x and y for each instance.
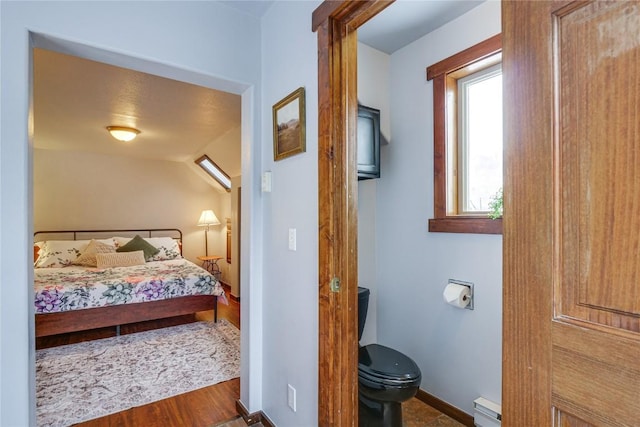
(210, 263)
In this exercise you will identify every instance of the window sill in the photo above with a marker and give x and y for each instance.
(474, 225)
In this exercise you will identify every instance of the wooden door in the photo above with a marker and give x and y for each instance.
(571, 344)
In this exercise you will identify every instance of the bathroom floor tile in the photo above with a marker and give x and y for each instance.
(443, 421)
(416, 413)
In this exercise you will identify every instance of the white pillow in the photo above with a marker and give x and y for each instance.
(121, 241)
(169, 248)
(62, 253)
(59, 253)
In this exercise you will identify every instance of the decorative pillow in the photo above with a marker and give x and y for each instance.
(168, 248)
(139, 244)
(88, 257)
(59, 253)
(119, 259)
(36, 251)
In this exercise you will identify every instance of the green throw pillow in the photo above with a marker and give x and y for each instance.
(139, 244)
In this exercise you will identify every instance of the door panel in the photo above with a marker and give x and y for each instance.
(596, 375)
(598, 71)
(572, 214)
(569, 421)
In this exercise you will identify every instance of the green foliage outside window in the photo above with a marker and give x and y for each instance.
(495, 206)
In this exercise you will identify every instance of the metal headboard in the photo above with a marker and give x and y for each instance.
(174, 233)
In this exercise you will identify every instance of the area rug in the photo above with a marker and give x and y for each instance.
(83, 381)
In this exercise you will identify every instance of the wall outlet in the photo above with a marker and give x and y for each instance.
(291, 397)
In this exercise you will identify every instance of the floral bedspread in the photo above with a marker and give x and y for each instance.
(75, 287)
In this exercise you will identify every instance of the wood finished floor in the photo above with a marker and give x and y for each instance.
(200, 408)
(213, 405)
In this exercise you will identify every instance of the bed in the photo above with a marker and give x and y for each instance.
(89, 279)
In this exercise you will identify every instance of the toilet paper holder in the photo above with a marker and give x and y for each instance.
(468, 285)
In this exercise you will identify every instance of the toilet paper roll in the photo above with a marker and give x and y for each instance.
(457, 295)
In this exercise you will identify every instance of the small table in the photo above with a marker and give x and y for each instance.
(210, 263)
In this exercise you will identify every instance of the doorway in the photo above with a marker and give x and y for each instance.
(336, 24)
(176, 74)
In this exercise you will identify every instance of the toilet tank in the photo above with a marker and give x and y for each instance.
(363, 306)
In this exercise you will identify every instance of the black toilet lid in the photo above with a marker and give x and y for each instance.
(383, 364)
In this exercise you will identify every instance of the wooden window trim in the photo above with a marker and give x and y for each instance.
(444, 78)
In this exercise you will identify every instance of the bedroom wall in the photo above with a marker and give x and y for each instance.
(107, 192)
(188, 41)
(236, 231)
(458, 351)
(230, 154)
(290, 309)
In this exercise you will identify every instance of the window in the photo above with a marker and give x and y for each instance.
(480, 139)
(467, 101)
(214, 171)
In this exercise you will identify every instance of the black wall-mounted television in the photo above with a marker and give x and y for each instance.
(368, 153)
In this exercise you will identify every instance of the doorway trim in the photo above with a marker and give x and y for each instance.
(336, 23)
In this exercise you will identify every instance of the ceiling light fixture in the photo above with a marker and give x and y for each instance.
(122, 133)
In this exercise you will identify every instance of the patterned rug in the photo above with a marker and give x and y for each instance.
(79, 382)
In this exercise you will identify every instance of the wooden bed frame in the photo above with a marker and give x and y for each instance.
(116, 315)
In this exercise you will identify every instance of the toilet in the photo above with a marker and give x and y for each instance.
(386, 378)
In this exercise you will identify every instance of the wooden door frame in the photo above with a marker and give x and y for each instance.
(527, 293)
(336, 23)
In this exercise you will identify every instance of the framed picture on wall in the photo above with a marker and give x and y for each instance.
(289, 125)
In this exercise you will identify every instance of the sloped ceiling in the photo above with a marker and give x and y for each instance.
(75, 99)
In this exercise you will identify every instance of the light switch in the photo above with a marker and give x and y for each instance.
(266, 182)
(292, 239)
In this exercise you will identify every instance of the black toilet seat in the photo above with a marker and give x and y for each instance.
(385, 366)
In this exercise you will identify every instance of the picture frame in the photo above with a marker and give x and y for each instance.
(289, 125)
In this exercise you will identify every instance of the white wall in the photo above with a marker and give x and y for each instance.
(203, 43)
(109, 192)
(373, 91)
(290, 309)
(374, 85)
(458, 351)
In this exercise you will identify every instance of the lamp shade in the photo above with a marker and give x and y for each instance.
(207, 217)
